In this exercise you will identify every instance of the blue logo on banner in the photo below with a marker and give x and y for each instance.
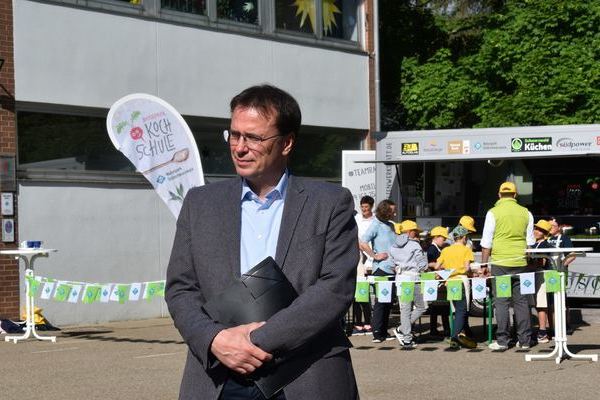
(431, 290)
(503, 286)
(385, 292)
(479, 288)
(527, 283)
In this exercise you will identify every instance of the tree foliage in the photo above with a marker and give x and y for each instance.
(528, 62)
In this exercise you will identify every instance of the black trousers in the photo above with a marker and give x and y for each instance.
(240, 390)
(381, 312)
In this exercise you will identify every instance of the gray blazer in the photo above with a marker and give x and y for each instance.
(317, 252)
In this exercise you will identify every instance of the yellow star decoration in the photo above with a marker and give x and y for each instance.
(307, 8)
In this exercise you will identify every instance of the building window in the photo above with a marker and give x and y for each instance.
(296, 15)
(187, 6)
(340, 19)
(238, 10)
(67, 142)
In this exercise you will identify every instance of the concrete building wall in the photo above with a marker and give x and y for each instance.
(89, 58)
(103, 234)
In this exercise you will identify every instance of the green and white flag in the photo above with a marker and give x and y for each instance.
(444, 273)
(503, 286)
(454, 289)
(114, 293)
(34, 285)
(154, 289)
(430, 290)
(478, 287)
(384, 292)
(407, 291)
(47, 290)
(123, 293)
(62, 292)
(105, 293)
(74, 295)
(361, 292)
(91, 294)
(552, 279)
(135, 291)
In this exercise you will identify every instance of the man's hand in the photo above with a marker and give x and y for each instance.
(380, 256)
(235, 350)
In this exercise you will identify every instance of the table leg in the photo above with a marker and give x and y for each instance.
(29, 314)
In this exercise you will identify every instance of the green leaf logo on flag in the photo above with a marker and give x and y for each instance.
(428, 276)
(552, 279)
(62, 292)
(361, 293)
(454, 291)
(34, 286)
(503, 286)
(156, 289)
(91, 295)
(407, 292)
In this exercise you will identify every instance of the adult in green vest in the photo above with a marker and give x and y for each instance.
(507, 232)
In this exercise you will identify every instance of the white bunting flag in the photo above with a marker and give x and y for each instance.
(527, 281)
(430, 290)
(371, 279)
(114, 294)
(384, 291)
(74, 295)
(47, 290)
(135, 291)
(444, 273)
(479, 288)
(105, 293)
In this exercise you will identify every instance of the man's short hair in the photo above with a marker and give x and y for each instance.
(384, 210)
(367, 200)
(271, 101)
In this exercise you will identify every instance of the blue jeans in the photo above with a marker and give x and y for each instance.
(460, 316)
(239, 390)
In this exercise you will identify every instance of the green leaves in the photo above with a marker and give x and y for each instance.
(135, 115)
(179, 193)
(121, 125)
(530, 63)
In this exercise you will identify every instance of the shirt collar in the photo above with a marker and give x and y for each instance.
(278, 191)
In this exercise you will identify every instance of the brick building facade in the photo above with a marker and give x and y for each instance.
(9, 268)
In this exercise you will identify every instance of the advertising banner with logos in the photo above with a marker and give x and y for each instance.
(156, 139)
(489, 143)
(359, 176)
(394, 148)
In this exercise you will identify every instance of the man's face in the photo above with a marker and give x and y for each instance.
(365, 209)
(261, 161)
(554, 228)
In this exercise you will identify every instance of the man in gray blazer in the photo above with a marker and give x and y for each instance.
(227, 227)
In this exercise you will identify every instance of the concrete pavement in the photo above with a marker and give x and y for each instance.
(144, 359)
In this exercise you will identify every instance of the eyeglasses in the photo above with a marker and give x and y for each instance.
(251, 140)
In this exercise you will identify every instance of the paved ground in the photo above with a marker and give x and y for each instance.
(144, 360)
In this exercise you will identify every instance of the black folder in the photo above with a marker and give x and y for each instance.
(256, 296)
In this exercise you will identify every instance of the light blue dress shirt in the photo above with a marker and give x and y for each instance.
(260, 223)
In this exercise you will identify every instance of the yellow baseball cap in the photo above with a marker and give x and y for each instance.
(397, 228)
(439, 231)
(507, 187)
(408, 225)
(468, 222)
(543, 225)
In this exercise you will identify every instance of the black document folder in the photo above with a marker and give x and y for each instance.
(256, 296)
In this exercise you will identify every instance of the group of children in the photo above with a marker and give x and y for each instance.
(397, 253)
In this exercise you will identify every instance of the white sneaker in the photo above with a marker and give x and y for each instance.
(523, 346)
(399, 336)
(495, 346)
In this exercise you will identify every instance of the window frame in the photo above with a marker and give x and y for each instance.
(265, 27)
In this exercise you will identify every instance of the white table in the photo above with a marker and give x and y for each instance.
(28, 256)
(556, 257)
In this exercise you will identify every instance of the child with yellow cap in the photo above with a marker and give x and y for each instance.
(439, 235)
(541, 230)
